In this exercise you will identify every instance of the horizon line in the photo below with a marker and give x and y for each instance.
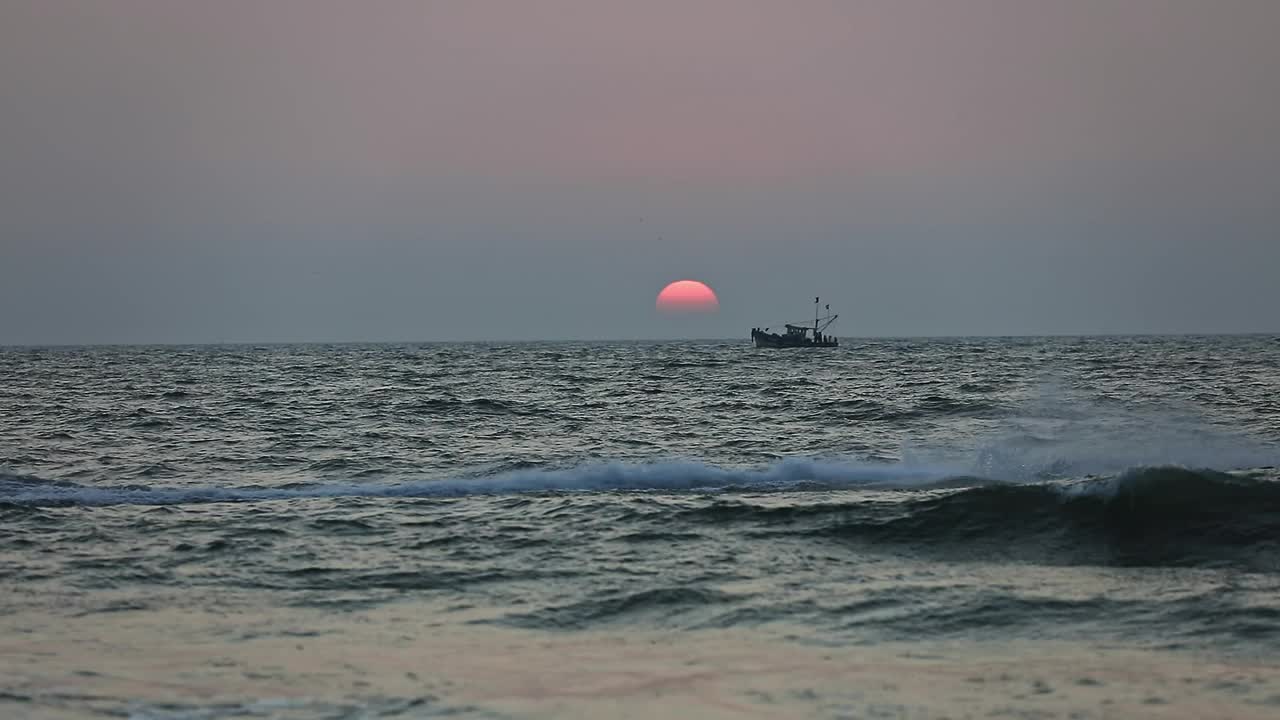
(655, 340)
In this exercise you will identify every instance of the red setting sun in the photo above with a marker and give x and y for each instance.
(688, 296)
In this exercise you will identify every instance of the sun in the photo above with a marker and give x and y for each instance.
(684, 296)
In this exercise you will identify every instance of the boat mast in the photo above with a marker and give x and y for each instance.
(815, 319)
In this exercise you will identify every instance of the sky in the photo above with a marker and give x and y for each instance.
(309, 170)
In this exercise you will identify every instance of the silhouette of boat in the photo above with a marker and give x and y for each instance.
(797, 336)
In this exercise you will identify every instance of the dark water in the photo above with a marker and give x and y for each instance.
(1031, 490)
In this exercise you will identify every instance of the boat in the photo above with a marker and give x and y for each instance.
(797, 336)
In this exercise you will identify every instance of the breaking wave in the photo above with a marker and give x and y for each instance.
(1150, 516)
(1161, 485)
(1145, 516)
(662, 476)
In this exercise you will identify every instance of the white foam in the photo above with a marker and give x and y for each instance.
(669, 476)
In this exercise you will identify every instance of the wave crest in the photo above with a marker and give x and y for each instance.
(661, 476)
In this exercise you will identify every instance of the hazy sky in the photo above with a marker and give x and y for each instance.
(245, 170)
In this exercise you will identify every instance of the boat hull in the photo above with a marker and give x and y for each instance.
(763, 339)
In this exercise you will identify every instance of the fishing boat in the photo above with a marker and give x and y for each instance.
(797, 336)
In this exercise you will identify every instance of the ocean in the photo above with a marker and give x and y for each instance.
(899, 528)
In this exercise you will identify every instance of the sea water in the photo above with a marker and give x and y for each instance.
(1061, 527)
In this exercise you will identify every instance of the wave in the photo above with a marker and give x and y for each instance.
(660, 476)
(1164, 484)
(1152, 516)
(1146, 516)
(479, 405)
(620, 606)
(942, 406)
